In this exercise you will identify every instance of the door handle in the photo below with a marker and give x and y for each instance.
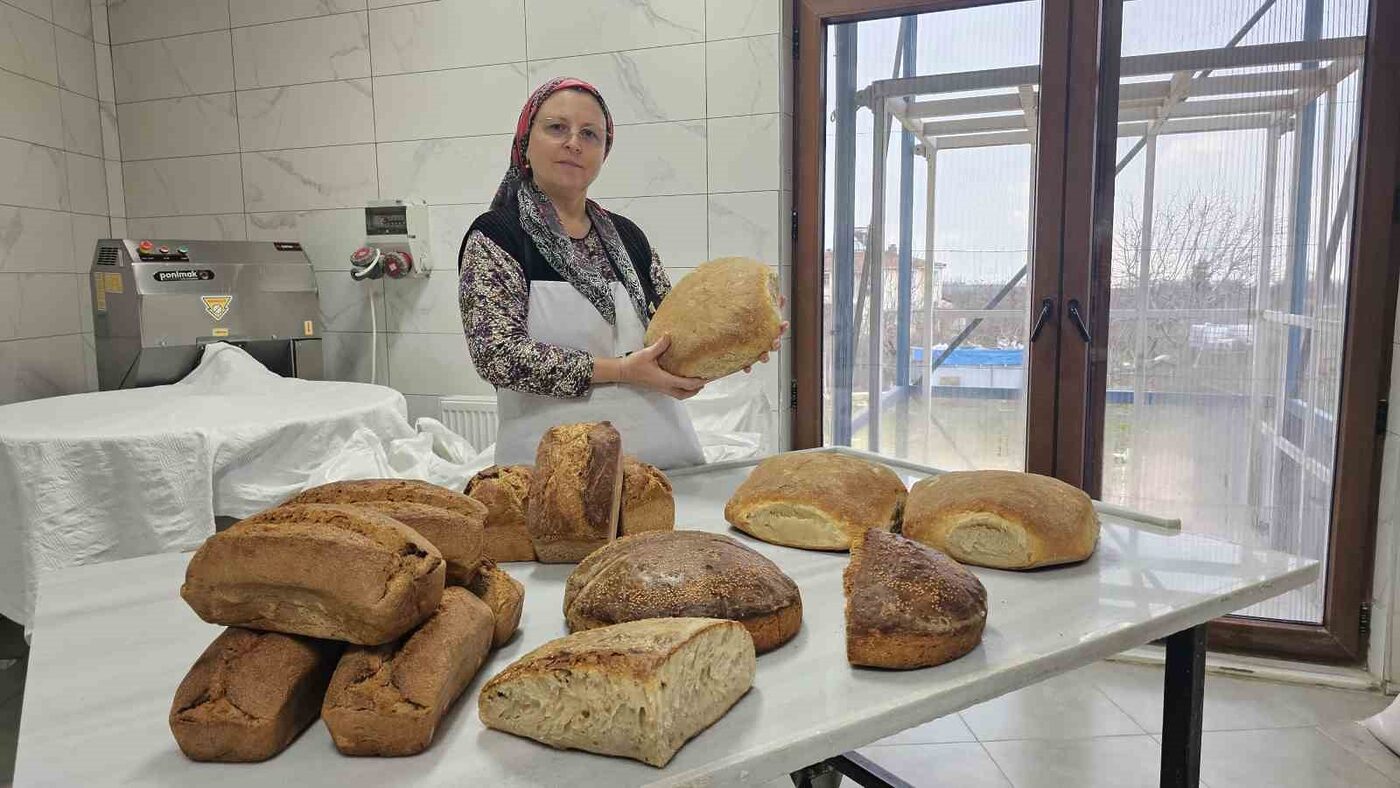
(1078, 318)
(1047, 308)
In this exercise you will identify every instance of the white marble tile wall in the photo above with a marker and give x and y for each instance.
(288, 115)
(55, 154)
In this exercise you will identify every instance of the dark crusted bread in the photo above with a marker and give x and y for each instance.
(411, 490)
(337, 572)
(505, 490)
(721, 318)
(676, 574)
(1003, 519)
(457, 536)
(816, 500)
(909, 606)
(647, 501)
(504, 595)
(389, 699)
(250, 694)
(576, 491)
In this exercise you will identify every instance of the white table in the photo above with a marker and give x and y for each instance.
(114, 474)
(113, 641)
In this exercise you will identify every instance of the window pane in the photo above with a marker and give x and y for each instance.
(1232, 222)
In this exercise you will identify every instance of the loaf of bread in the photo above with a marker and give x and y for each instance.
(576, 491)
(638, 690)
(320, 570)
(505, 491)
(457, 536)
(647, 501)
(504, 595)
(1003, 519)
(816, 500)
(250, 694)
(909, 606)
(721, 318)
(678, 574)
(389, 699)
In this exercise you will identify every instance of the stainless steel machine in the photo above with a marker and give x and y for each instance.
(157, 302)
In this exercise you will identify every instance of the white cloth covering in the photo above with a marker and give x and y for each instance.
(100, 476)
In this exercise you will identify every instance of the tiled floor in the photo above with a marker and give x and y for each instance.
(1094, 727)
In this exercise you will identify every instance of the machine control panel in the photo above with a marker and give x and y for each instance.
(150, 252)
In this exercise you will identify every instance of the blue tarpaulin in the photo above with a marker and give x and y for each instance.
(976, 357)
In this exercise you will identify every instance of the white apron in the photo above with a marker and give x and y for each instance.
(655, 428)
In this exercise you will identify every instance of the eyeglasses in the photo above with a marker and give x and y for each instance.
(559, 131)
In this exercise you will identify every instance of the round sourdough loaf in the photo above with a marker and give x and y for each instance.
(671, 574)
(1003, 519)
(816, 500)
(505, 491)
(908, 605)
(647, 500)
(721, 318)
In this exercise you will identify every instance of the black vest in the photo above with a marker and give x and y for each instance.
(503, 227)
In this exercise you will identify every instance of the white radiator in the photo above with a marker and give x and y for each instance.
(474, 418)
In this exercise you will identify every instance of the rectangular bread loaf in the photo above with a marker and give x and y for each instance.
(504, 595)
(336, 572)
(576, 492)
(250, 694)
(639, 690)
(389, 699)
(648, 503)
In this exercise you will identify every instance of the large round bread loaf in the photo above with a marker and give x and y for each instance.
(721, 318)
(816, 500)
(1002, 519)
(677, 574)
(908, 605)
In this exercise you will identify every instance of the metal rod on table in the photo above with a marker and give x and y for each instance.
(1183, 693)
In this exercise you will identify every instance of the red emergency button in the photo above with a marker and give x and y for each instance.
(146, 246)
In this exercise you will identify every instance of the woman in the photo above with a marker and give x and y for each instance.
(556, 294)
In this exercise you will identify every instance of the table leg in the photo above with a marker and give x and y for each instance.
(863, 771)
(1182, 694)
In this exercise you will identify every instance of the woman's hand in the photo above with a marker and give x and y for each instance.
(777, 343)
(641, 369)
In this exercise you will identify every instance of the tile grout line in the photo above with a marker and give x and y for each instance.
(237, 123)
(379, 192)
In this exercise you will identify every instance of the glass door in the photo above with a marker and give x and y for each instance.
(1228, 276)
(931, 251)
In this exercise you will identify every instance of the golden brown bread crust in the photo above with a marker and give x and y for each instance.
(576, 491)
(389, 699)
(504, 595)
(505, 490)
(721, 318)
(1055, 522)
(648, 503)
(320, 570)
(457, 536)
(684, 574)
(411, 490)
(850, 493)
(250, 694)
(908, 605)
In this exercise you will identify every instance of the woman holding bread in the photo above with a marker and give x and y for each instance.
(556, 294)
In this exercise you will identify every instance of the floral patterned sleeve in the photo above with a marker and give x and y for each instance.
(494, 299)
(659, 279)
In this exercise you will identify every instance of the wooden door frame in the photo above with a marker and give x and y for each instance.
(1365, 383)
(811, 19)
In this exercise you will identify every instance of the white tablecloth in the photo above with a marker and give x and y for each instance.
(101, 476)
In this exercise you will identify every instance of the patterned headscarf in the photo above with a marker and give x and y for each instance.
(541, 222)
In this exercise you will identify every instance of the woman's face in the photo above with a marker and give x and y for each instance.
(567, 142)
